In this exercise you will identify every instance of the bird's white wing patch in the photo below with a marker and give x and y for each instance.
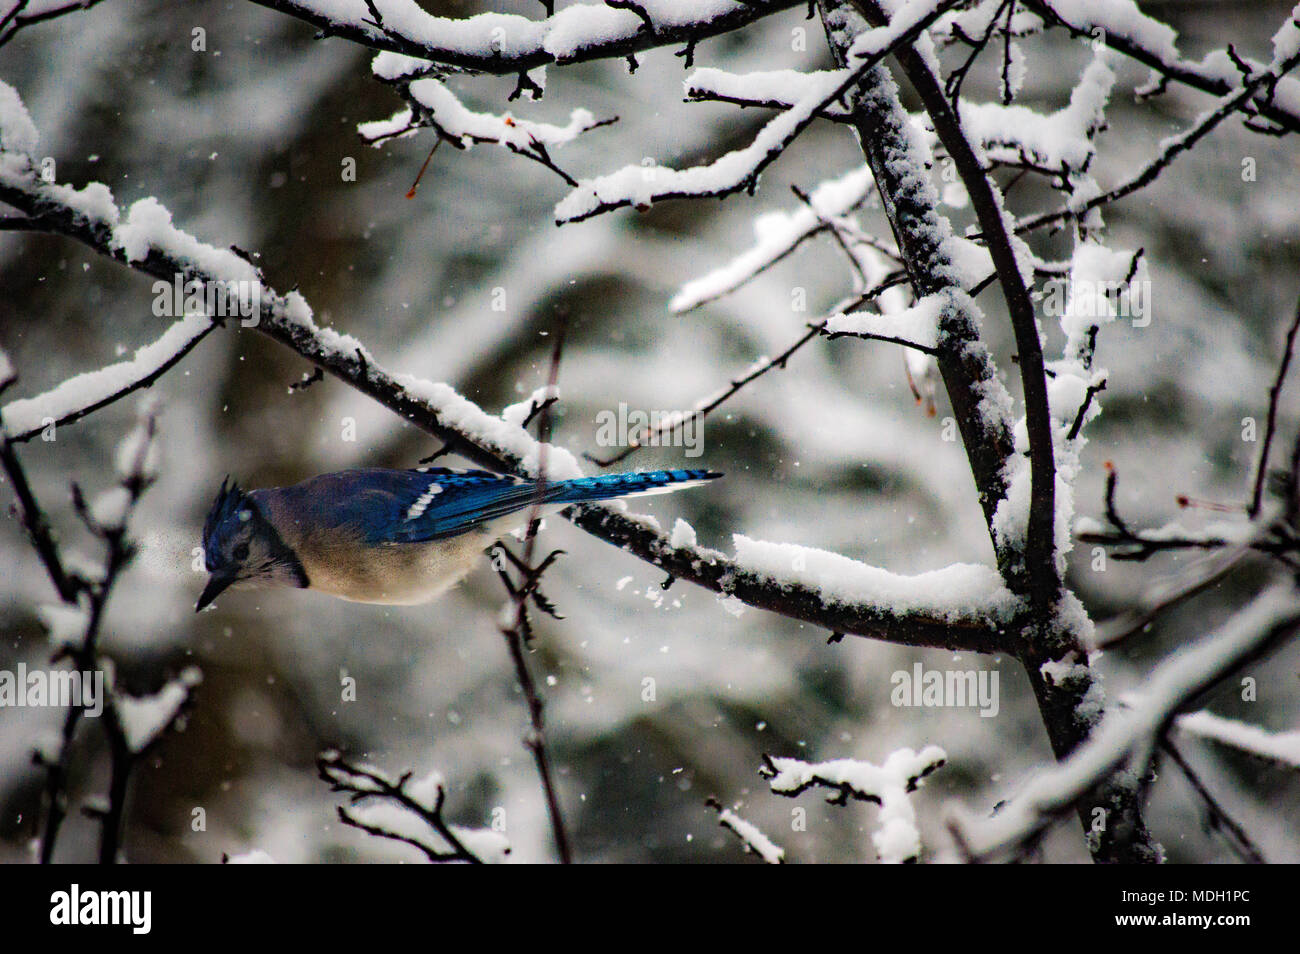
(418, 508)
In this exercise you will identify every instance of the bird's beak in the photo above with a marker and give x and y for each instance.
(217, 584)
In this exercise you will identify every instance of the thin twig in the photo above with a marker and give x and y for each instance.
(14, 20)
(516, 634)
(1174, 147)
(1238, 838)
(1274, 394)
(363, 784)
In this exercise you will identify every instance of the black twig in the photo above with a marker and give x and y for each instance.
(702, 411)
(1216, 815)
(37, 524)
(1093, 391)
(1274, 394)
(958, 76)
(518, 631)
(1174, 147)
(307, 381)
(15, 20)
(362, 784)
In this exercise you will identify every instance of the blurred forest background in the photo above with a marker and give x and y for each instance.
(245, 142)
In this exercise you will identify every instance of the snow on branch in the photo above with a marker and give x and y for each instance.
(888, 785)
(1123, 27)
(1238, 99)
(149, 242)
(642, 185)
(1102, 284)
(915, 327)
(956, 592)
(772, 89)
(85, 393)
(25, 13)
(749, 834)
(776, 235)
(408, 811)
(1123, 745)
(507, 43)
(434, 106)
(1281, 747)
(143, 719)
(1062, 142)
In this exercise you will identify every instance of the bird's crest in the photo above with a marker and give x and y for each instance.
(222, 520)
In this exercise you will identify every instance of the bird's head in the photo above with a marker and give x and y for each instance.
(241, 547)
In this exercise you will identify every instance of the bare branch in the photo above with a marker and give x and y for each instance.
(1274, 394)
(365, 785)
(516, 627)
(14, 19)
(1217, 816)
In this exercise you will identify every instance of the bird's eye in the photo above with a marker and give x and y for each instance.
(241, 552)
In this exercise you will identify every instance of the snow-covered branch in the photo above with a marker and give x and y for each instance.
(434, 106)
(1060, 144)
(1055, 628)
(888, 785)
(1122, 26)
(146, 240)
(144, 719)
(776, 235)
(936, 261)
(1125, 741)
(769, 89)
(1283, 747)
(507, 43)
(407, 810)
(83, 394)
(915, 327)
(643, 185)
(1240, 98)
(750, 835)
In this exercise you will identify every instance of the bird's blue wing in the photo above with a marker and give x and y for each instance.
(410, 506)
(404, 506)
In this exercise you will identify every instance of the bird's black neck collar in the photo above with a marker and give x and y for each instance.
(281, 552)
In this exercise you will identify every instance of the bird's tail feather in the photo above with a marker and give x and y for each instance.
(610, 486)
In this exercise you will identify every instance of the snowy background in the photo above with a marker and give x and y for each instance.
(245, 143)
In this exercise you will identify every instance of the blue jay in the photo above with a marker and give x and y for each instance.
(387, 536)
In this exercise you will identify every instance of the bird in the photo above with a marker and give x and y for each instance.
(395, 537)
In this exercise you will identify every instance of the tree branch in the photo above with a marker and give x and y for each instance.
(469, 45)
(485, 439)
(1040, 581)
